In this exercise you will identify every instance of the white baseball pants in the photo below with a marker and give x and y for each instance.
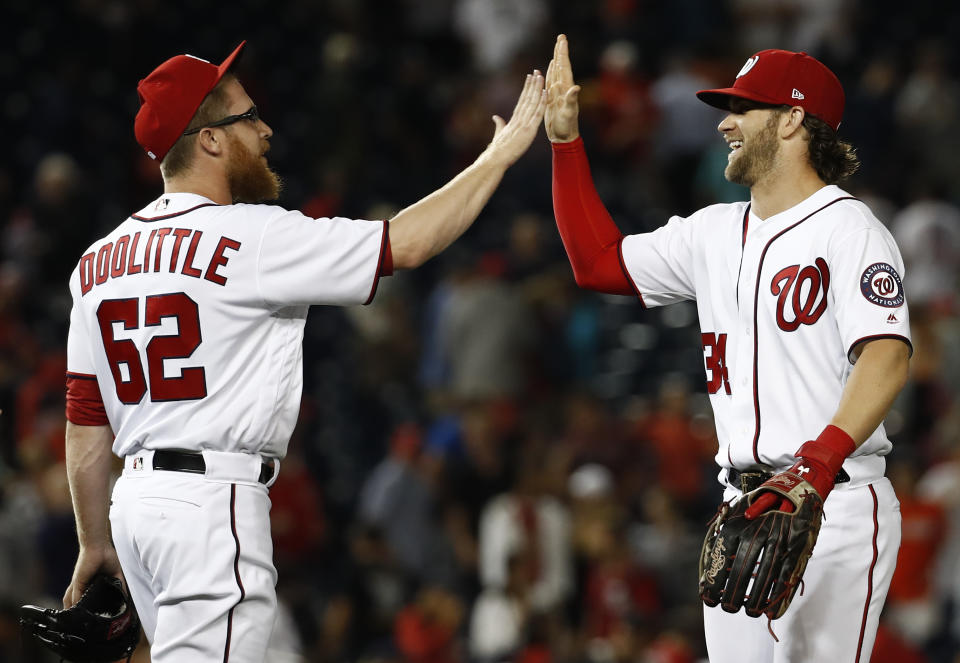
(844, 588)
(198, 559)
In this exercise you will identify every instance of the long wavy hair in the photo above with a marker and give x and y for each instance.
(834, 159)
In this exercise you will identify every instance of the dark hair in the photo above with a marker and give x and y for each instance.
(834, 160)
(214, 106)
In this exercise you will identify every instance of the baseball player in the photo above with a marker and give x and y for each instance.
(805, 335)
(185, 353)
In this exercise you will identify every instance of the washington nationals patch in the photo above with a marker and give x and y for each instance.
(881, 285)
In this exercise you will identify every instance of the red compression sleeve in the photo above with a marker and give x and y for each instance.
(84, 403)
(590, 236)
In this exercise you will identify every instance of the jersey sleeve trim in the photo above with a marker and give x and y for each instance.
(381, 261)
(876, 337)
(626, 274)
(84, 402)
(81, 376)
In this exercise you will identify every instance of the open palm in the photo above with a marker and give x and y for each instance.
(560, 118)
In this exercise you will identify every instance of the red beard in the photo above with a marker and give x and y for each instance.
(249, 176)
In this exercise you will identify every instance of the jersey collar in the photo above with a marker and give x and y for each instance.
(170, 205)
(817, 200)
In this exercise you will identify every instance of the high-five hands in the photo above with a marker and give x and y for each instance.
(511, 139)
(560, 119)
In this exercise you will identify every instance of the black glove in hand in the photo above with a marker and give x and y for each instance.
(101, 628)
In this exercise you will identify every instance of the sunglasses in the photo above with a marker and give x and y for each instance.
(253, 115)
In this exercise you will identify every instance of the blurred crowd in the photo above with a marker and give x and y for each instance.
(490, 465)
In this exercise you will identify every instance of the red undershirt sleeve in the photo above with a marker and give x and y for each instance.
(589, 234)
(84, 402)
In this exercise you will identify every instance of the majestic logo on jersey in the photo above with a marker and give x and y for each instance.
(748, 65)
(802, 290)
(881, 285)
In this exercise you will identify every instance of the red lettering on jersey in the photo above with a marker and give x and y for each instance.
(119, 262)
(122, 350)
(180, 234)
(716, 361)
(161, 234)
(103, 263)
(133, 267)
(192, 384)
(219, 259)
(146, 250)
(86, 273)
(808, 311)
(188, 267)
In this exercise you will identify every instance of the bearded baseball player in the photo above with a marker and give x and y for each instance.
(806, 342)
(185, 354)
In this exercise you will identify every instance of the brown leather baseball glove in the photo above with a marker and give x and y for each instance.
(757, 561)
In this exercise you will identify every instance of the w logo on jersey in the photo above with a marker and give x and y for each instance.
(802, 290)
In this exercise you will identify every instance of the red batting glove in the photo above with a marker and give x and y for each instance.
(820, 460)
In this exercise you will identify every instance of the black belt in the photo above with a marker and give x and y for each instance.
(749, 480)
(185, 461)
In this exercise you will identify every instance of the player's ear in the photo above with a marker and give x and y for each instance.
(792, 121)
(210, 141)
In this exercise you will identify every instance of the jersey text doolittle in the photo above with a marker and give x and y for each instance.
(123, 257)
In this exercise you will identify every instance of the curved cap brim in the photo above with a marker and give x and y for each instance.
(720, 98)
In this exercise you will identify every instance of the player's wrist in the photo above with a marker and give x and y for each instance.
(822, 458)
(570, 145)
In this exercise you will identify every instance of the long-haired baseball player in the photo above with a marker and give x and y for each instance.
(806, 342)
(185, 353)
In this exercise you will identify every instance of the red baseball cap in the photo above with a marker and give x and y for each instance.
(170, 97)
(785, 78)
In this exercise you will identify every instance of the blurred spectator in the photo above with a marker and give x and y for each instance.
(682, 448)
(940, 485)
(527, 517)
(486, 332)
(497, 30)
(686, 128)
(470, 454)
(620, 594)
(667, 543)
(620, 100)
(928, 234)
(398, 499)
(499, 621)
(797, 25)
(912, 608)
(926, 109)
(426, 629)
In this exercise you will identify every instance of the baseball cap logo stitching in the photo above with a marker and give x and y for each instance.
(797, 94)
(748, 65)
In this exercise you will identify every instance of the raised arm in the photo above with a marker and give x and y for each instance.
(430, 225)
(589, 234)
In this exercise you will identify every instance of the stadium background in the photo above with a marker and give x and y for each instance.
(490, 465)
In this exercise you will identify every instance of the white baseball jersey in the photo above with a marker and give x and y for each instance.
(783, 302)
(190, 316)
